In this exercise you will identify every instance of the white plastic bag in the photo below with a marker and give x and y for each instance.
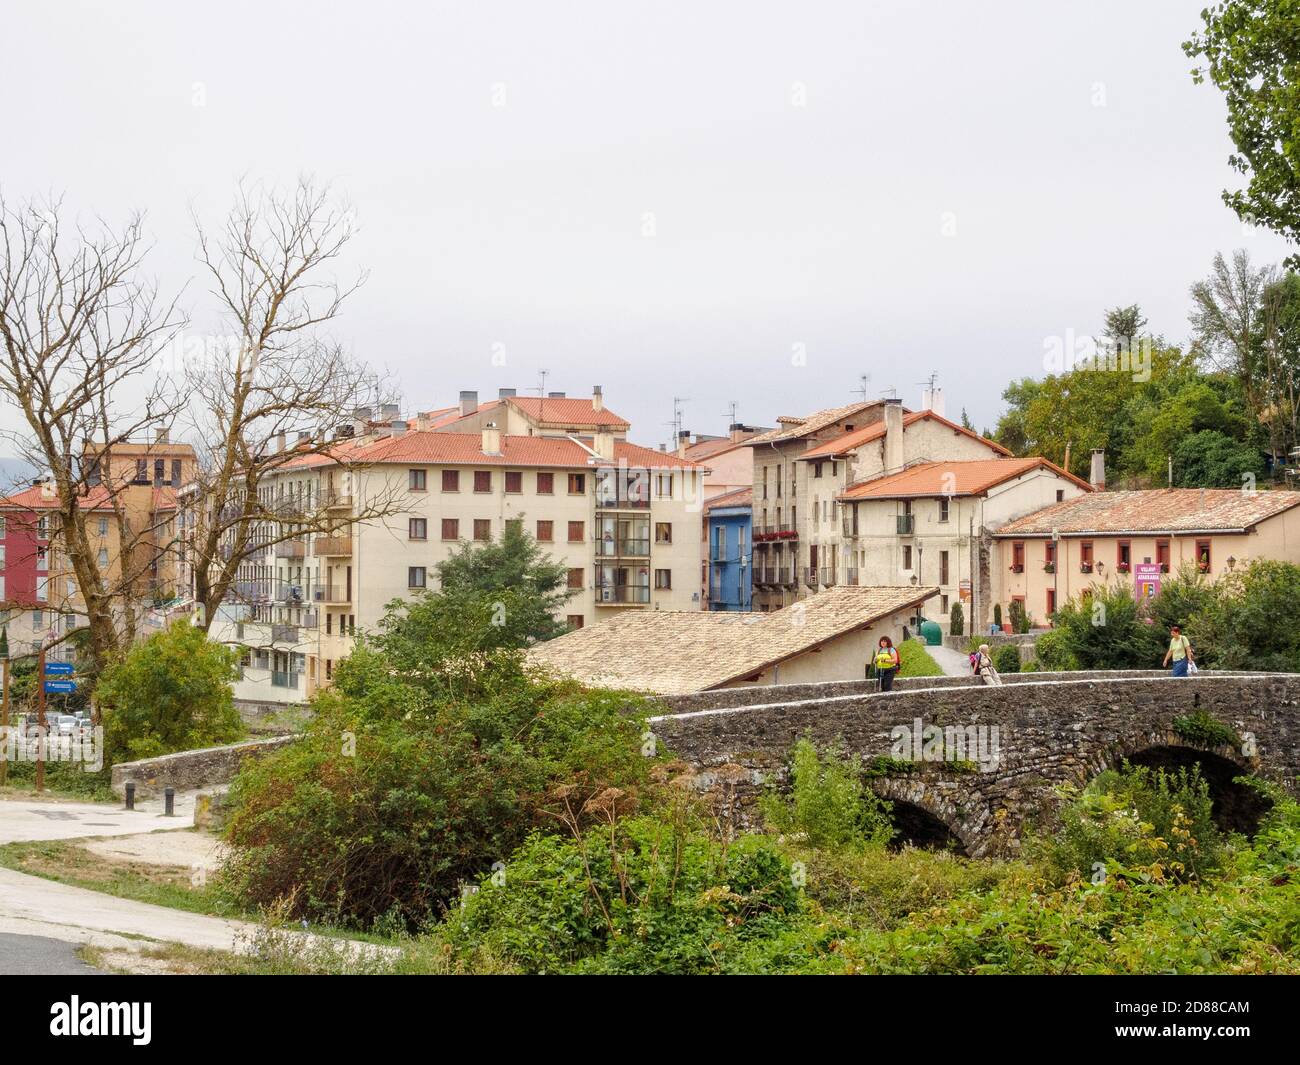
(1191, 668)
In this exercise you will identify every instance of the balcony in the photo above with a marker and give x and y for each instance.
(331, 594)
(849, 527)
(337, 500)
(617, 501)
(764, 533)
(288, 593)
(635, 548)
(851, 577)
(827, 577)
(810, 576)
(785, 575)
(622, 595)
(332, 546)
(906, 524)
(284, 634)
(284, 680)
(290, 549)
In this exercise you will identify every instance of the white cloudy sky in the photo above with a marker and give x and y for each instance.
(1064, 142)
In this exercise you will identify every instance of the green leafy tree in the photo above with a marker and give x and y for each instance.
(1209, 459)
(1124, 325)
(515, 571)
(1250, 50)
(171, 692)
(1110, 630)
(956, 621)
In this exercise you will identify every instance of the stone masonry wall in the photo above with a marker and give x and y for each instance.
(186, 770)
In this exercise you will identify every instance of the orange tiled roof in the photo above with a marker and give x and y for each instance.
(737, 497)
(969, 478)
(708, 449)
(562, 412)
(98, 498)
(1168, 510)
(845, 443)
(794, 428)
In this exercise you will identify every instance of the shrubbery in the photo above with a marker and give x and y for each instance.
(1006, 658)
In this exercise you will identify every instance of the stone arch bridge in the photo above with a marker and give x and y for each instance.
(971, 766)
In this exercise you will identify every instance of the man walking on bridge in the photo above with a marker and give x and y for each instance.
(1180, 652)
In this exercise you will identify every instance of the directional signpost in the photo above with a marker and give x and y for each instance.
(60, 687)
(59, 669)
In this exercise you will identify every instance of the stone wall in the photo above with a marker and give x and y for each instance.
(1047, 733)
(187, 770)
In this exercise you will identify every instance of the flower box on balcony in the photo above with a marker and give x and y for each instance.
(1204, 567)
(1122, 567)
(1018, 568)
(1164, 567)
(1085, 567)
(1049, 567)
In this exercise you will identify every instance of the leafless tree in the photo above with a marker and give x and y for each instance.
(269, 391)
(79, 332)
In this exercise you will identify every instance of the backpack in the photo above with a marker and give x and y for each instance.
(974, 661)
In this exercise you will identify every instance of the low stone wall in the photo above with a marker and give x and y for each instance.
(187, 770)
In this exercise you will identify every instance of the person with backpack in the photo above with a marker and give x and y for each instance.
(1180, 652)
(887, 663)
(982, 666)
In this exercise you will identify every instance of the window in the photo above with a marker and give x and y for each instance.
(1085, 556)
(577, 578)
(2, 525)
(42, 558)
(43, 589)
(1162, 553)
(1123, 556)
(141, 471)
(663, 532)
(577, 484)
(943, 567)
(1203, 555)
(482, 480)
(415, 577)
(42, 528)
(577, 532)
(943, 509)
(1049, 553)
(103, 526)
(545, 531)
(176, 473)
(545, 484)
(574, 620)
(664, 486)
(451, 480)
(1051, 602)
(817, 469)
(37, 619)
(663, 578)
(1018, 557)
(102, 560)
(417, 529)
(514, 482)
(450, 529)
(482, 528)
(907, 556)
(418, 480)
(1060, 495)
(159, 472)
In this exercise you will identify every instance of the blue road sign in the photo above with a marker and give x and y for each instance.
(59, 669)
(60, 687)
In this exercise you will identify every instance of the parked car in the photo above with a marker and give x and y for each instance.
(66, 725)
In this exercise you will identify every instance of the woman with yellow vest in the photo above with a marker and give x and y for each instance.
(887, 663)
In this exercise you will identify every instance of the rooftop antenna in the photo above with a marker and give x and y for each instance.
(890, 393)
(861, 390)
(541, 393)
(733, 406)
(676, 423)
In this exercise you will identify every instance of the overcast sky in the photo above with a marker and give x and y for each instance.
(756, 202)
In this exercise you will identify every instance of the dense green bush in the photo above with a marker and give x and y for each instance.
(1052, 650)
(1006, 658)
(956, 620)
(915, 661)
(827, 804)
(1111, 630)
(170, 692)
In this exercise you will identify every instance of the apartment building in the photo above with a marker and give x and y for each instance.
(625, 521)
(1071, 548)
(926, 524)
(801, 470)
(729, 459)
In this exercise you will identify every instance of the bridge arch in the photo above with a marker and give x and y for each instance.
(1234, 807)
(922, 818)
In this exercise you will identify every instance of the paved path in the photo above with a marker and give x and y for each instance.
(953, 663)
(31, 906)
(39, 956)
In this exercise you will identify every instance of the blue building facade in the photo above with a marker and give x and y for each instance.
(730, 520)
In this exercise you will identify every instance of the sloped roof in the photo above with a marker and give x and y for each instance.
(562, 412)
(1169, 510)
(847, 442)
(791, 428)
(973, 477)
(675, 652)
(707, 449)
(98, 498)
(737, 497)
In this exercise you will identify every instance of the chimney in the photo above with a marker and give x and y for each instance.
(280, 442)
(932, 399)
(491, 439)
(597, 398)
(604, 445)
(398, 425)
(390, 411)
(304, 437)
(47, 487)
(1098, 474)
(423, 423)
(160, 436)
(737, 432)
(683, 442)
(505, 393)
(468, 403)
(554, 395)
(893, 435)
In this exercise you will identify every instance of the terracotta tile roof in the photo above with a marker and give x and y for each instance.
(845, 443)
(951, 479)
(790, 428)
(737, 497)
(466, 449)
(1170, 510)
(707, 449)
(164, 498)
(97, 498)
(578, 413)
(674, 652)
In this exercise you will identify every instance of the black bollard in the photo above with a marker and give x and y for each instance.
(130, 795)
(169, 802)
